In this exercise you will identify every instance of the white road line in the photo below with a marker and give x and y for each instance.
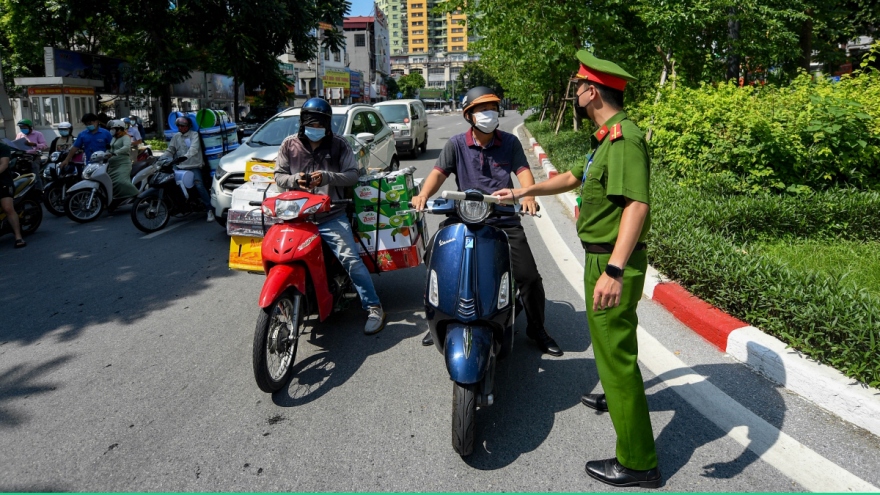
(790, 457)
(169, 229)
(440, 128)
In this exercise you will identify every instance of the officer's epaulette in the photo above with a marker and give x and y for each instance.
(615, 132)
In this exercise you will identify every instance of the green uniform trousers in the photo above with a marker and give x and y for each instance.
(613, 333)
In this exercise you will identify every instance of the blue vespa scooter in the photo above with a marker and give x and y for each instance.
(470, 302)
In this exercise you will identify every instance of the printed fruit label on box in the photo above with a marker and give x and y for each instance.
(245, 253)
(259, 171)
(368, 221)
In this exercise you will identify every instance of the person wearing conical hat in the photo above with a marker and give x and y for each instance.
(613, 224)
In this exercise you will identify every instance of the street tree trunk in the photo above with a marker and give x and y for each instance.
(733, 59)
(806, 41)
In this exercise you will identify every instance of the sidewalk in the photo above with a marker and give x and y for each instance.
(818, 383)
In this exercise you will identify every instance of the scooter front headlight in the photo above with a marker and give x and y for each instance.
(288, 210)
(504, 291)
(433, 290)
(87, 173)
(472, 211)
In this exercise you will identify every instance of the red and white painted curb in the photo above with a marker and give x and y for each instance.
(549, 169)
(818, 383)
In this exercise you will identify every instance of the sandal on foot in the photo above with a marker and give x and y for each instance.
(19, 243)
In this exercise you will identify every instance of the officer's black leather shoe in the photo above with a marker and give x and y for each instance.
(611, 472)
(428, 340)
(595, 401)
(545, 342)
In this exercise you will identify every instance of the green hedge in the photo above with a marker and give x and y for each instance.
(700, 238)
(808, 135)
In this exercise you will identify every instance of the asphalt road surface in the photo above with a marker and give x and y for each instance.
(125, 365)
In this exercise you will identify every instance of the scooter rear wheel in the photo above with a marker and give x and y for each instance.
(464, 411)
(78, 208)
(150, 214)
(30, 215)
(276, 340)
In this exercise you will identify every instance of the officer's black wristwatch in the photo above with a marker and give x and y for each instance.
(613, 271)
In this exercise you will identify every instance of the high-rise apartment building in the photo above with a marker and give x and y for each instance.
(433, 45)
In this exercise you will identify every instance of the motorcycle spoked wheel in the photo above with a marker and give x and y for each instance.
(77, 208)
(276, 340)
(53, 198)
(150, 214)
(30, 215)
(464, 412)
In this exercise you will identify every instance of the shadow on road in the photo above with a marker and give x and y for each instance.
(22, 381)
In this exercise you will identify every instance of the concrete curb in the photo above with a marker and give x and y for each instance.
(823, 385)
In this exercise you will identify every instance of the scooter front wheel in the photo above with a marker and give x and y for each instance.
(276, 340)
(53, 198)
(84, 205)
(464, 412)
(30, 215)
(150, 214)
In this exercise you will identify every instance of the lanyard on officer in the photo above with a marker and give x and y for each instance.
(584, 178)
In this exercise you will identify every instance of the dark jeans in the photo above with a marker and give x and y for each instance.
(525, 272)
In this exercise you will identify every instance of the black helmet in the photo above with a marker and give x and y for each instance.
(315, 110)
(477, 95)
(317, 105)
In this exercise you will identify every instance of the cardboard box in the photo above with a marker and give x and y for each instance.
(245, 253)
(393, 249)
(392, 187)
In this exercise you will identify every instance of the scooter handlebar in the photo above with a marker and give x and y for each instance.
(469, 196)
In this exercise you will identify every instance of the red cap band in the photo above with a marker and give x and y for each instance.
(602, 78)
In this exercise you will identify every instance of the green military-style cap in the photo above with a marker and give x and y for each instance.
(603, 72)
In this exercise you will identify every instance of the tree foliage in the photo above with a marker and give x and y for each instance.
(472, 75)
(529, 45)
(410, 84)
(391, 87)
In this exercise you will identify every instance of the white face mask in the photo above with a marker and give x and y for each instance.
(486, 121)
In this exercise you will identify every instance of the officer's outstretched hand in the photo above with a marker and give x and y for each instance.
(607, 292)
(507, 195)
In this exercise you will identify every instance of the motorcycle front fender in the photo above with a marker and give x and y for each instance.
(152, 192)
(85, 184)
(281, 278)
(467, 352)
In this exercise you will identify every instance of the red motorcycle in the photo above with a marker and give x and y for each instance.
(303, 277)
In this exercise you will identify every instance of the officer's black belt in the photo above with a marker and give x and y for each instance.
(607, 248)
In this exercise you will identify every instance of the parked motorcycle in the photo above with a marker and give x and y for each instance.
(22, 162)
(27, 204)
(57, 181)
(470, 303)
(87, 198)
(170, 193)
(303, 277)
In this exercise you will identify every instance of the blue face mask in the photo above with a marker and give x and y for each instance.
(315, 133)
(25, 131)
(64, 133)
(91, 127)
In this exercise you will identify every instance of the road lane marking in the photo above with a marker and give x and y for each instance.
(790, 457)
(169, 229)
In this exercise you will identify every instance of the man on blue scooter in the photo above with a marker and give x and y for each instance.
(483, 157)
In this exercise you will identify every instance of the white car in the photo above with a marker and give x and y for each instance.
(370, 137)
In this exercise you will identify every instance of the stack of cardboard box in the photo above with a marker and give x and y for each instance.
(390, 235)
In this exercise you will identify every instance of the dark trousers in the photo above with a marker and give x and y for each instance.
(525, 273)
(528, 280)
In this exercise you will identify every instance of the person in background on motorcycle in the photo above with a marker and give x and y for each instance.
(94, 138)
(320, 162)
(136, 122)
(34, 139)
(119, 166)
(483, 157)
(187, 143)
(133, 132)
(64, 141)
(7, 193)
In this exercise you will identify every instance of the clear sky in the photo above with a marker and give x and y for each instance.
(360, 7)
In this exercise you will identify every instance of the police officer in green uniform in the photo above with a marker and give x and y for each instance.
(613, 223)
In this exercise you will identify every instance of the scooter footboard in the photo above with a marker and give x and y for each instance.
(468, 348)
(279, 279)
